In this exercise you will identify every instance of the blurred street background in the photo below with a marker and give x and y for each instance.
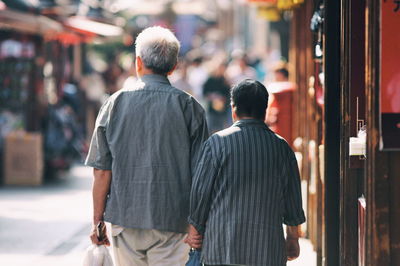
(331, 68)
(61, 59)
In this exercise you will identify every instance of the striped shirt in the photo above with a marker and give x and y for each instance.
(245, 186)
(150, 137)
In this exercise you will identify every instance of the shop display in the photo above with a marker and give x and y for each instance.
(9, 122)
(64, 141)
(14, 83)
(27, 77)
(23, 159)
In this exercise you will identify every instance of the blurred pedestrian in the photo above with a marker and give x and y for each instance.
(239, 69)
(280, 111)
(179, 78)
(111, 77)
(245, 185)
(197, 75)
(146, 141)
(216, 91)
(128, 79)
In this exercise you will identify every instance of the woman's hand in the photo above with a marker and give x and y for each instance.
(194, 239)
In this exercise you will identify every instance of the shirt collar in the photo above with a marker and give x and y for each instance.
(250, 122)
(151, 78)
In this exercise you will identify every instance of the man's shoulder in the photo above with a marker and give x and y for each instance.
(235, 132)
(170, 89)
(283, 146)
(227, 132)
(141, 87)
(280, 138)
(219, 137)
(180, 93)
(138, 85)
(151, 87)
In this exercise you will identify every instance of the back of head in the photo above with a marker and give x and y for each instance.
(158, 48)
(283, 72)
(250, 98)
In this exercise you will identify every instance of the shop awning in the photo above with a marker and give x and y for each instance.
(194, 7)
(279, 4)
(29, 23)
(198, 8)
(90, 27)
(263, 2)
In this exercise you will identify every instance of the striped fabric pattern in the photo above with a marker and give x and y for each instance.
(245, 186)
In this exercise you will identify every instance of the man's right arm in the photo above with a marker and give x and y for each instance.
(100, 158)
(100, 190)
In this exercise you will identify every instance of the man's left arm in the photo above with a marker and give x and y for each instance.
(198, 132)
(198, 135)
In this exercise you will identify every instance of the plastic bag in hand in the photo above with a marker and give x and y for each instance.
(97, 256)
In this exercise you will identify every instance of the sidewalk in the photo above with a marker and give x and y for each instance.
(51, 221)
(49, 225)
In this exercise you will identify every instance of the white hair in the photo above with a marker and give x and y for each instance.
(158, 48)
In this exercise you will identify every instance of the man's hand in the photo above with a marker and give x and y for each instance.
(99, 234)
(292, 248)
(194, 239)
(292, 242)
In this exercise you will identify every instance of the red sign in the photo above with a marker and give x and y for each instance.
(390, 74)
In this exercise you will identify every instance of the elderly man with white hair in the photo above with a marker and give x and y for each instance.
(143, 150)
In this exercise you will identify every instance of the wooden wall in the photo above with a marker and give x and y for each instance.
(351, 65)
(307, 117)
(383, 167)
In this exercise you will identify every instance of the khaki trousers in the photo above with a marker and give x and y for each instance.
(143, 247)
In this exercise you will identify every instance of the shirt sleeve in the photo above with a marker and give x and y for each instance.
(203, 182)
(99, 155)
(293, 212)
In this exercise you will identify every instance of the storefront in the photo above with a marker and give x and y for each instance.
(343, 55)
(22, 108)
(41, 66)
(350, 135)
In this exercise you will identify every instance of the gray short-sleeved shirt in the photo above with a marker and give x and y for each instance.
(150, 137)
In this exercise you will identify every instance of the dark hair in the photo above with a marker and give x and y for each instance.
(283, 71)
(250, 98)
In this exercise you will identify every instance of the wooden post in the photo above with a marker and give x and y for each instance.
(352, 92)
(77, 61)
(377, 246)
(332, 131)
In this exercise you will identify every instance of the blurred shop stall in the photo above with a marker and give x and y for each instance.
(43, 102)
(344, 121)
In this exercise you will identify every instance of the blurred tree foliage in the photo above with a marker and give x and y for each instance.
(109, 51)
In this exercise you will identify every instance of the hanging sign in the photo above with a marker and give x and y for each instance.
(390, 75)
